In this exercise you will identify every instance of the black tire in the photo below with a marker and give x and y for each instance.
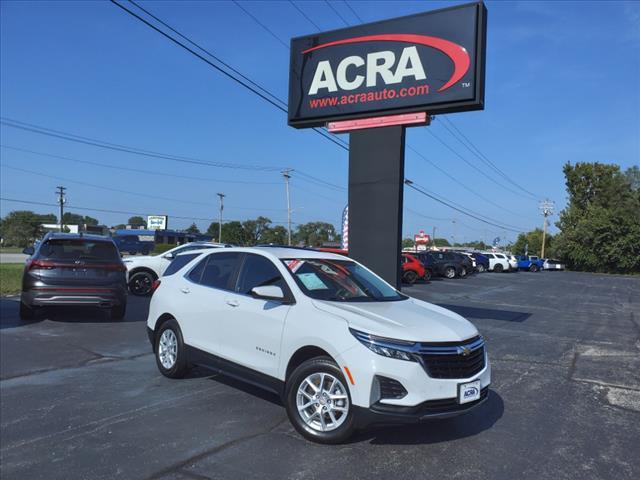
(181, 365)
(409, 277)
(481, 268)
(463, 272)
(533, 268)
(118, 312)
(133, 252)
(317, 365)
(145, 252)
(449, 272)
(427, 275)
(27, 312)
(140, 283)
(498, 268)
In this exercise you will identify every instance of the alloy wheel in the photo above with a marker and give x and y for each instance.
(168, 349)
(322, 402)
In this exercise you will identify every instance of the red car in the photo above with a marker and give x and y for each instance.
(413, 269)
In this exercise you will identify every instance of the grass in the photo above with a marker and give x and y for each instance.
(10, 278)
(11, 250)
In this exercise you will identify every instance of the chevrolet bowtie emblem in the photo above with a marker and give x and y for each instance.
(465, 351)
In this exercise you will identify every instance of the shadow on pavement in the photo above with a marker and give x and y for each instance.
(137, 310)
(436, 431)
(487, 313)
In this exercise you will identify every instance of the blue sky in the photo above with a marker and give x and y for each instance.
(563, 84)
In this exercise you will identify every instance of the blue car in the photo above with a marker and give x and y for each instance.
(531, 263)
(482, 262)
(131, 244)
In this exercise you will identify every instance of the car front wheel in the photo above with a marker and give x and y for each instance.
(533, 268)
(498, 268)
(318, 402)
(409, 277)
(480, 268)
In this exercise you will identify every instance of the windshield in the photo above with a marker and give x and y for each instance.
(340, 281)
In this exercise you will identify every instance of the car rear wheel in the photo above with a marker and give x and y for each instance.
(498, 268)
(409, 277)
(449, 272)
(463, 272)
(140, 283)
(533, 268)
(427, 275)
(27, 312)
(318, 402)
(171, 356)
(118, 312)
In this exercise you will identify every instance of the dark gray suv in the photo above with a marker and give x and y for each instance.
(74, 269)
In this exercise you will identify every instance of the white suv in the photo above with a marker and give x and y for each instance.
(498, 262)
(144, 270)
(340, 346)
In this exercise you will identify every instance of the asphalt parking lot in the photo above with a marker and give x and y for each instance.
(81, 397)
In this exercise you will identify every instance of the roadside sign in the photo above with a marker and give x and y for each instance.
(429, 62)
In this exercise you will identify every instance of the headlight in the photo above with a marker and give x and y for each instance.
(398, 349)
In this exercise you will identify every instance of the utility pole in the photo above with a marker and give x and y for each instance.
(454, 231)
(433, 237)
(287, 175)
(221, 195)
(546, 208)
(61, 201)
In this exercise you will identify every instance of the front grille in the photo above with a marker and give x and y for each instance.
(458, 360)
(390, 388)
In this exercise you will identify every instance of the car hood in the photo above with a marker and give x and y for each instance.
(410, 319)
(134, 260)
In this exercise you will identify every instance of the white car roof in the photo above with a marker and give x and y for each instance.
(284, 252)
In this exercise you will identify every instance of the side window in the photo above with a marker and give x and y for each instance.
(258, 271)
(179, 262)
(219, 270)
(196, 273)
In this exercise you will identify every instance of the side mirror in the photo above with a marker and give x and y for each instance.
(29, 251)
(169, 256)
(268, 292)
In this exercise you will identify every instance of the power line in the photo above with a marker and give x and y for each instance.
(337, 13)
(353, 11)
(476, 151)
(278, 103)
(304, 15)
(123, 148)
(136, 170)
(118, 190)
(410, 184)
(267, 29)
(122, 212)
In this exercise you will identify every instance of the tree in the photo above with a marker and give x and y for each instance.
(193, 229)
(21, 228)
(475, 244)
(533, 240)
(441, 242)
(314, 234)
(90, 221)
(277, 235)
(255, 229)
(120, 226)
(137, 222)
(600, 227)
(407, 243)
(72, 219)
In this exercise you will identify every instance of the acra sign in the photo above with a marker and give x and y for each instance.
(431, 62)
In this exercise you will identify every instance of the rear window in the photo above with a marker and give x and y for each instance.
(179, 262)
(72, 250)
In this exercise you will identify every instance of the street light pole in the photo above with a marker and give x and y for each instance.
(221, 195)
(546, 208)
(61, 200)
(287, 175)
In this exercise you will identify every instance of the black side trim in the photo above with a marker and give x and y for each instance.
(151, 336)
(231, 369)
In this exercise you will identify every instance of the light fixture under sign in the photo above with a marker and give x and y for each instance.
(375, 122)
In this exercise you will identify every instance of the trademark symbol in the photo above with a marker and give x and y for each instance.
(466, 84)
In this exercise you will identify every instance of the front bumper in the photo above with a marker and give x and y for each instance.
(61, 296)
(380, 413)
(426, 397)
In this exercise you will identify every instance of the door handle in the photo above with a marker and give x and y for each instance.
(185, 290)
(233, 303)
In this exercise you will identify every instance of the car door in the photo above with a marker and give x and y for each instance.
(201, 302)
(254, 326)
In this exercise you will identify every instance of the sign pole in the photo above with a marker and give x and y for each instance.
(376, 186)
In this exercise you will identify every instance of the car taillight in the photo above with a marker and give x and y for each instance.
(118, 267)
(41, 264)
(154, 286)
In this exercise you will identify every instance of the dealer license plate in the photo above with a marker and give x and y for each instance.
(469, 392)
